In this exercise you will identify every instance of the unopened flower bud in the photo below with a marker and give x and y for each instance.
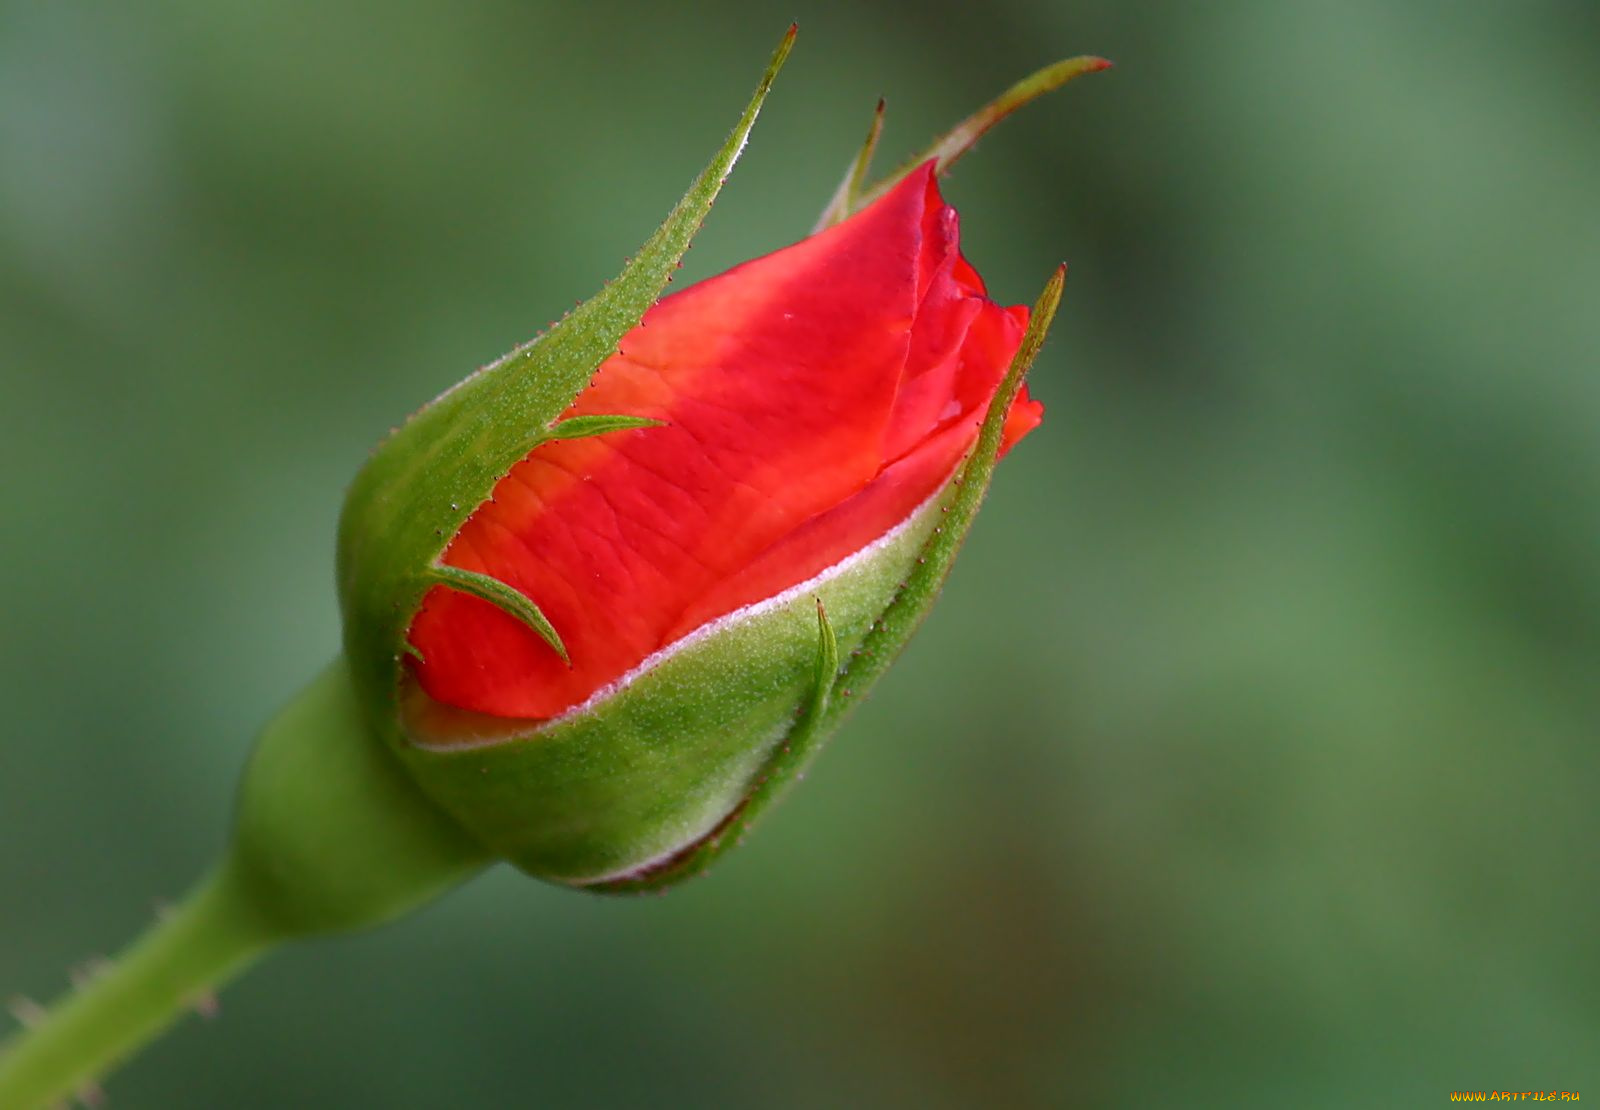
(595, 596)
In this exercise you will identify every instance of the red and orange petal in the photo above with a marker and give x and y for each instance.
(812, 399)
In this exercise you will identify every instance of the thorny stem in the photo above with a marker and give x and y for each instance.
(329, 835)
(211, 937)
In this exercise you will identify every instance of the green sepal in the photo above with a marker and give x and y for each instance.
(855, 178)
(788, 761)
(949, 147)
(580, 427)
(432, 473)
(503, 597)
(964, 496)
(827, 668)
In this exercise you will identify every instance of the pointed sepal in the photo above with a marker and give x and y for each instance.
(503, 597)
(949, 147)
(889, 636)
(787, 765)
(580, 427)
(846, 196)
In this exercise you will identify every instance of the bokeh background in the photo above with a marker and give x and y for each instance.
(1251, 757)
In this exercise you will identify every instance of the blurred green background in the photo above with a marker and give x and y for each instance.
(1251, 757)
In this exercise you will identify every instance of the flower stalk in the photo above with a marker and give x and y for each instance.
(330, 836)
(185, 956)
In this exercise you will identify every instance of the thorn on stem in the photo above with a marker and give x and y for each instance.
(88, 971)
(28, 1012)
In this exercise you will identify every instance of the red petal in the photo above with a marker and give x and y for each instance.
(888, 500)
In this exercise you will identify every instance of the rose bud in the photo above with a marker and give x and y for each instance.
(605, 596)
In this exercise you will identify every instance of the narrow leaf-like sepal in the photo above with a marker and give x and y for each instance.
(502, 596)
(827, 664)
(787, 765)
(578, 427)
(950, 146)
(892, 632)
(855, 178)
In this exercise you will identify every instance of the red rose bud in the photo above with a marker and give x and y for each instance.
(606, 597)
(598, 595)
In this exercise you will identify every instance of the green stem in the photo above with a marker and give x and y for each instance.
(210, 938)
(329, 835)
